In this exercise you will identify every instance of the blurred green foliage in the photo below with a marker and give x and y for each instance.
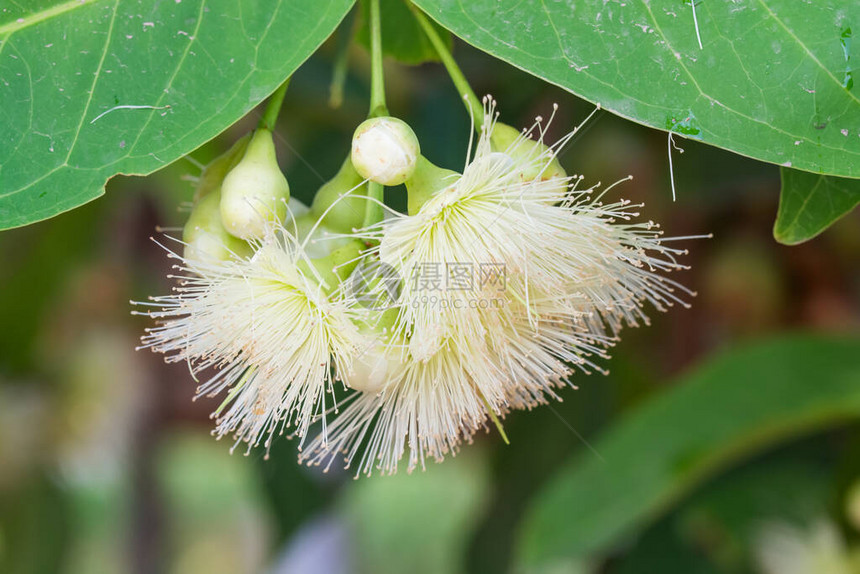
(731, 407)
(417, 522)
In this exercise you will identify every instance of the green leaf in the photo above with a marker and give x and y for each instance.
(721, 523)
(810, 203)
(93, 88)
(773, 79)
(733, 406)
(402, 38)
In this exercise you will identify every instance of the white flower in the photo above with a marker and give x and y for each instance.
(426, 408)
(263, 331)
(539, 348)
(550, 241)
(574, 272)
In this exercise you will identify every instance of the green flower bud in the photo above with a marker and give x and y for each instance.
(213, 174)
(385, 150)
(255, 191)
(426, 180)
(204, 235)
(526, 153)
(348, 213)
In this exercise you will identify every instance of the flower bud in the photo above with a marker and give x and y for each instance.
(541, 161)
(385, 150)
(204, 235)
(348, 212)
(255, 191)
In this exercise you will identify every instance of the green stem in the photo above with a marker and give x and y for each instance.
(473, 104)
(373, 212)
(273, 107)
(377, 79)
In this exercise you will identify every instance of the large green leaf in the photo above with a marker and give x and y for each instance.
(737, 404)
(772, 81)
(93, 88)
(809, 203)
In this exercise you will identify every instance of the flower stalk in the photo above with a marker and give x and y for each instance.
(273, 107)
(373, 212)
(377, 77)
(473, 104)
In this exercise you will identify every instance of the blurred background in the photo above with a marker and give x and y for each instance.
(106, 465)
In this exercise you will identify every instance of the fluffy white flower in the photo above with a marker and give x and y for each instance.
(545, 236)
(261, 330)
(426, 408)
(573, 272)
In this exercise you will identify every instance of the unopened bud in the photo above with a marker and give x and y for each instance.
(255, 192)
(332, 269)
(385, 150)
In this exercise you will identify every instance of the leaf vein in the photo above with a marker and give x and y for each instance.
(96, 77)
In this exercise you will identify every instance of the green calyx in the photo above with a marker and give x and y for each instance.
(206, 239)
(335, 267)
(426, 181)
(345, 214)
(255, 191)
(215, 172)
(525, 153)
